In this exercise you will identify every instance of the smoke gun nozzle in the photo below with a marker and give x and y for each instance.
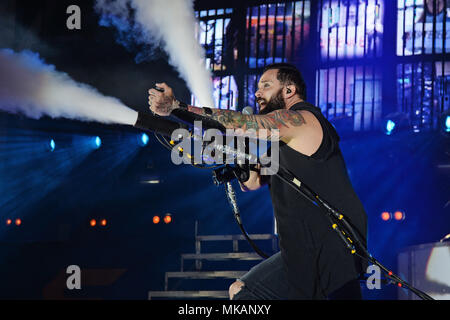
(149, 122)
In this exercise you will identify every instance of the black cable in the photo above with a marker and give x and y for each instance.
(339, 224)
(346, 230)
(231, 196)
(166, 144)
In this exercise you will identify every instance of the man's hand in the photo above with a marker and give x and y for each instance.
(255, 180)
(162, 103)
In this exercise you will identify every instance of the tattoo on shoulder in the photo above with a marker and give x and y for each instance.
(286, 118)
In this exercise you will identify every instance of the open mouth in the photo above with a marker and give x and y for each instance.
(261, 102)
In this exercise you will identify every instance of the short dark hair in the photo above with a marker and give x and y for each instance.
(288, 74)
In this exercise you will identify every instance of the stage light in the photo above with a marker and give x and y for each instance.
(52, 145)
(385, 216)
(399, 215)
(395, 122)
(168, 219)
(98, 142)
(93, 223)
(156, 219)
(445, 122)
(8, 222)
(103, 223)
(18, 222)
(154, 181)
(390, 126)
(143, 141)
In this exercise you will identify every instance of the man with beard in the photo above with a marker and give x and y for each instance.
(313, 262)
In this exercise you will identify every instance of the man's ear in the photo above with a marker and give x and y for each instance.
(290, 91)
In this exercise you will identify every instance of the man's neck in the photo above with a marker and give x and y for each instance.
(294, 101)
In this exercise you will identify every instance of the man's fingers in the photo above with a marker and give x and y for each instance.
(153, 92)
(165, 87)
(162, 85)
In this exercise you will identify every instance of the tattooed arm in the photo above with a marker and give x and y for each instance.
(275, 125)
(266, 126)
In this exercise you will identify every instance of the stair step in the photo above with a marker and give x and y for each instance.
(206, 274)
(188, 294)
(222, 256)
(235, 237)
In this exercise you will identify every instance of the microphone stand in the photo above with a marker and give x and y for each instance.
(231, 196)
(344, 229)
(338, 221)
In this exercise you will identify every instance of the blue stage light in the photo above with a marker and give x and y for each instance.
(390, 126)
(144, 139)
(444, 122)
(97, 142)
(397, 122)
(52, 145)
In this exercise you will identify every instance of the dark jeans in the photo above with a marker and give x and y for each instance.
(268, 281)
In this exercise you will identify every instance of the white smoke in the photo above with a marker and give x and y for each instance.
(30, 87)
(172, 24)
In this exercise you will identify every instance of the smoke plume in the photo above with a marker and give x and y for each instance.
(35, 89)
(169, 23)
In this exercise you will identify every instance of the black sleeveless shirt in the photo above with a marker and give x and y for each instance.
(316, 260)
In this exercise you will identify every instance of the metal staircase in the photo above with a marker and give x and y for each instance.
(199, 274)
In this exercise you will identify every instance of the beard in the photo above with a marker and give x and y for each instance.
(275, 103)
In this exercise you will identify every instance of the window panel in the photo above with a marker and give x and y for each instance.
(351, 29)
(351, 94)
(212, 35)
(275, 32)
(251, 86)
(423, 92)
(225, 93)
(423, 26)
